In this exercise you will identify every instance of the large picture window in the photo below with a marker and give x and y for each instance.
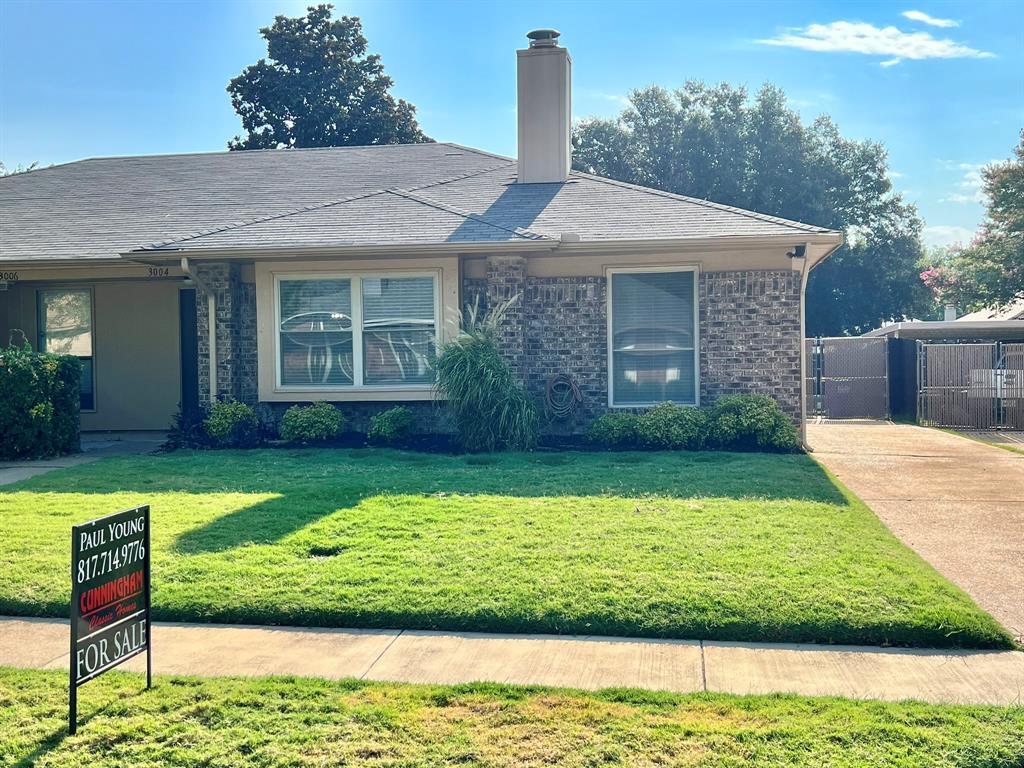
(652, 337)
(338, 332)
(65, 328)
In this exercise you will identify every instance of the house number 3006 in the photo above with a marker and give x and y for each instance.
(8, 277)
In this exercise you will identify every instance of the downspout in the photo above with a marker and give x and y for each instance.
(211, 317)
(804, 274)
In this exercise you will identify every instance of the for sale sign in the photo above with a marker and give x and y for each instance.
(110, 589)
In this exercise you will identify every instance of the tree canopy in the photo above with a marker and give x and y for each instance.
(319, 88)
(990, 271)
(716, 143)
(5, 171)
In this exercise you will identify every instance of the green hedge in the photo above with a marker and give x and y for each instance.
(733, 423)
(39, 401)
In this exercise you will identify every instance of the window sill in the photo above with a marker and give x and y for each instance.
(626, 406)
(350, 395)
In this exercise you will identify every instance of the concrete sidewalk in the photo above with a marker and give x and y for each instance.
(684, 666)
(95, 446)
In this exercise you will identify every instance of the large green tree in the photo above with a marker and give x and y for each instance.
(990, 271)
(717, 143)
(319, 88)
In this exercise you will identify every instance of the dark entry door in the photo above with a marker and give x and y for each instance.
(189, 350)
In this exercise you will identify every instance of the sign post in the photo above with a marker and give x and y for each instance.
(110, 598)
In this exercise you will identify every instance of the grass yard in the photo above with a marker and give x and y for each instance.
(303, 722)
(706, 545)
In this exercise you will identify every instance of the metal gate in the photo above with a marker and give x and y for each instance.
(980, 386)
(848, 377)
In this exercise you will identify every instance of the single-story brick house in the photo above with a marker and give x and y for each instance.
(286, 276)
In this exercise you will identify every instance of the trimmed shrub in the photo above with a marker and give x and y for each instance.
(39, 402)
(392, 427)
(614, 430)
(751, 423)
(672, 427)
(314, 423)
(490, 409)
(231, 424)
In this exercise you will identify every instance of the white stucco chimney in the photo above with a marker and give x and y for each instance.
(544, 72)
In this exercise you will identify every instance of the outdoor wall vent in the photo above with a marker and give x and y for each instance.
(543, 38)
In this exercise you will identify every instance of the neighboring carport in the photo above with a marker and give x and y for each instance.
(957, 502)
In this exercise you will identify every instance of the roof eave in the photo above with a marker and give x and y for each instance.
(346, 250)
(949, 328)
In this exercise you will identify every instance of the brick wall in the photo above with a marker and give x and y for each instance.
(506, 279)
(566, 332)
(750, 336)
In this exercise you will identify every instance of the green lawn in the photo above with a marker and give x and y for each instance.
(706, 545)
(302, 722)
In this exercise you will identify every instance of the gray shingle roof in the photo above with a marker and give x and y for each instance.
(382, 195)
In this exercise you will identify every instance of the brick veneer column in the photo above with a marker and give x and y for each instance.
(235, 328)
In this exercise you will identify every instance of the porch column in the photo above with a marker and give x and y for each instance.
(234, 337)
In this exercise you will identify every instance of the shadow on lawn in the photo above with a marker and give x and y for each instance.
(314, 483)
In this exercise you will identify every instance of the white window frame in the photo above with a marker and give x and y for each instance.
(610, 272)
(356, 281)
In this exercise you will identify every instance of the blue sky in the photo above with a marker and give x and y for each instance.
(940, 84)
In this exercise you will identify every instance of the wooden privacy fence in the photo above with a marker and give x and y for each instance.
(979, 385)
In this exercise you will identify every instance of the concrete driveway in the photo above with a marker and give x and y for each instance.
(957, 502)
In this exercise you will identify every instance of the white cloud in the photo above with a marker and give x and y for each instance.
(969, 188)
(924, 18)
(861, 37)
(942, 235)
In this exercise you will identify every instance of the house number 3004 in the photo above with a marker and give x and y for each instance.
(159, 271)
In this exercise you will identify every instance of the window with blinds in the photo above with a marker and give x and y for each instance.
(652, 345)
(398, 330)
(356, 331)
